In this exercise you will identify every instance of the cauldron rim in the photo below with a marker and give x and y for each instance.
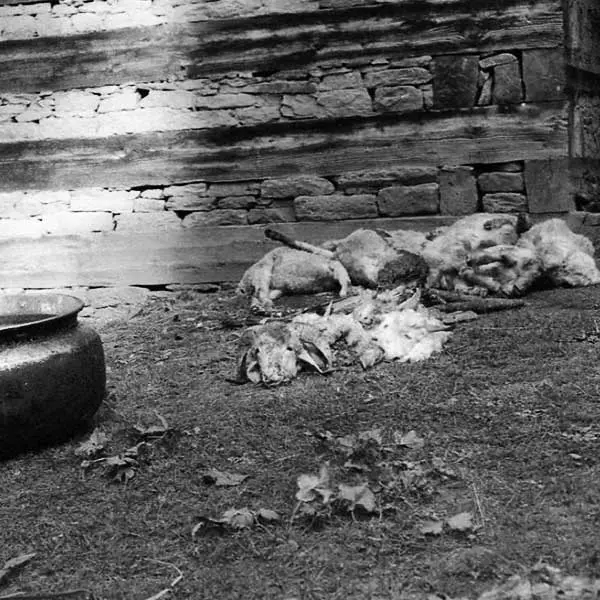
(60, 308)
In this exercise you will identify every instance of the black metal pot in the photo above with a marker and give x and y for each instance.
(52, 372)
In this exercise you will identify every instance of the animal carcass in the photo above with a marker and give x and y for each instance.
(288, 271)
(365, 253)
(448, 254)
(378, 328)
(566, 258)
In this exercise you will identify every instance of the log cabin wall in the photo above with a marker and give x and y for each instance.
(146, 142)
(583, 86)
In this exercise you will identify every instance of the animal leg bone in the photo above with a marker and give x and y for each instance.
(278, 236)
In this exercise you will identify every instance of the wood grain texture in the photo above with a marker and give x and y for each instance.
(12, 2)
(482, 135)
(282, 41)
(199, 255)
(582, 21)
(94, 59)
(203, 255)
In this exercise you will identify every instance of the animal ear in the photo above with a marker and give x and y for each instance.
(248, 367)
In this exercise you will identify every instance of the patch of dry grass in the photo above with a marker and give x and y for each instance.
(511, 405)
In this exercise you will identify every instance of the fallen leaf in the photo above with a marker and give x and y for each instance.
(124, 475)
(349, 464)
(13, 564)
(139, 451)
(325, 436)
(440, 466)
(207, 526)
(410, 440)
(373, 434)
(358, 495)
(347, 443)
(117, 461)
(266, 514)
(310, 487)
(238, 518)
(95, 444)
(120, 467)
(153, 430)
(432, 527)
(461, 522)
(223, 478)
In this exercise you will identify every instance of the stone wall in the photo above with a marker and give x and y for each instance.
(369, 113)
(393, 192)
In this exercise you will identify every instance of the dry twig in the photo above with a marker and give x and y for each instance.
(482, 305)
(173, 583)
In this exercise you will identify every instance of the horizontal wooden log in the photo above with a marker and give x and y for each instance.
(12, 2)
(274, 42)
(91, 60)
(207, 254)
(482, 135)
(193, 256)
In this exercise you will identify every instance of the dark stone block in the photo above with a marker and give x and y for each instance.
(507, 87)
(458, 191)
(504, 202)
(455, 81)
(335, 207)
(544, 75)
(501, 182)
(397, 201)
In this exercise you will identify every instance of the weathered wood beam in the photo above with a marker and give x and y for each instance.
(192, 256)
(482, 135)
(202, 255)
(11, 2)
(90, 60)
(274, 42)
(360, 33)
(582, 28)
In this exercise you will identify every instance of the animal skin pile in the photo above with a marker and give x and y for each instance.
(479, 255)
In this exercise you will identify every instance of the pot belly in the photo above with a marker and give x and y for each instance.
(50, 386)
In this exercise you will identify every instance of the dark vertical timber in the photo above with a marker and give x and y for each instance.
(582, 42)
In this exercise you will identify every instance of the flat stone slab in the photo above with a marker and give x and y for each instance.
(114, 304)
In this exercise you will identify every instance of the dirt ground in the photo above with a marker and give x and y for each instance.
(509, 418)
